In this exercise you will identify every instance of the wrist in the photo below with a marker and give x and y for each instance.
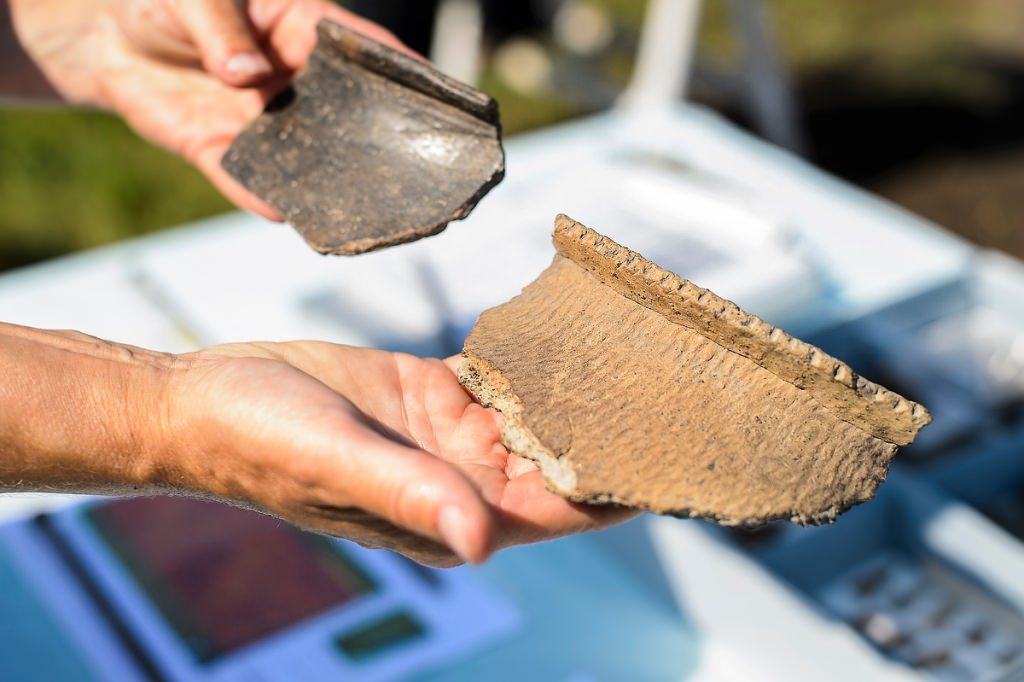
(82, 415)
(195, 442)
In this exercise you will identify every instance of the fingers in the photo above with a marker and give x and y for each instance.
(531, 513)
(366, 27)
(227, 45)
(516, 466)
(414, 490)
(208, 161)
(291, 31)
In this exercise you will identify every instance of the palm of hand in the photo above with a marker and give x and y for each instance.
(442, 418)
(368, 445)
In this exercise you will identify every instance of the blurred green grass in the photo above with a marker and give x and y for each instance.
(71, 179)
(74, 179)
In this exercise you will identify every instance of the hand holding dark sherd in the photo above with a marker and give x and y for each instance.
(186, 74)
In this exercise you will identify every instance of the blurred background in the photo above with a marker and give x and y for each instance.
(920, 101)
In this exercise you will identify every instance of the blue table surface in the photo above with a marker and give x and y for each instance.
(32, 645)
(585, 617)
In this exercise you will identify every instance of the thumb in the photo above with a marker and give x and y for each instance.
(224, 36)
(419, 492)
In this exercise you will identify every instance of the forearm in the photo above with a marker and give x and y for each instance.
(79, 414)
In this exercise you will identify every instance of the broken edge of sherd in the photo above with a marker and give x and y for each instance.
(873, 408)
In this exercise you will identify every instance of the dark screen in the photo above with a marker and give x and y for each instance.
(224, 577)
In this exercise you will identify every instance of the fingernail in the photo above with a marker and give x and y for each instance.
(455, 530)
(248, 64)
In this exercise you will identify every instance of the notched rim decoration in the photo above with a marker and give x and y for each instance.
(629, 385)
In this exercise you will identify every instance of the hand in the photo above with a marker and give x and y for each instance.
(385, 449)
(382, 448)
(186, 74)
